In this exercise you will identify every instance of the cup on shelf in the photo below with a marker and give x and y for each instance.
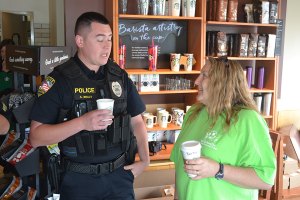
(267, 103)
(164, 118)
(152, 57)
(175, 61)
(190, 8)
(122, 56)
(122, 6)
(157, 7)
(189, 62)
(174, 7)
(143, 7)
(183, 8)
(178, 114)
(150, 120)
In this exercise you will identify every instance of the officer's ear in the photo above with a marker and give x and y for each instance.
(79, 40)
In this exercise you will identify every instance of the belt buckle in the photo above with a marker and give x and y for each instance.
(98, 169)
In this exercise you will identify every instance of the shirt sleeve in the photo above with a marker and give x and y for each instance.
(47, 106)
(135, 104)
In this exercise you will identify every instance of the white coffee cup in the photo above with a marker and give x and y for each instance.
(105, 104)
(178, 115)
(175, 61)
(150, 120)
(164, 118)
(189, 62)
(267, 104)
(190, 150)
(175, 7)
(190, 8)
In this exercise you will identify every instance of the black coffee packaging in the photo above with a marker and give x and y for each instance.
(248, 9)
(273, 12)
(252, 46)
(211, 41)
(261, 45)
(221, 44)
(265, 6)
(244, 38)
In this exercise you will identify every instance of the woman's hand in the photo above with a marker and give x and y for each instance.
(201, 167)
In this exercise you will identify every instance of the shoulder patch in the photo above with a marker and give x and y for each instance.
(4, 107)
(46, 85)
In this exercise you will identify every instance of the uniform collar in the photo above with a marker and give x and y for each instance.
(89, 73)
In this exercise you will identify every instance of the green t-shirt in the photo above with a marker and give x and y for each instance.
(246, 144)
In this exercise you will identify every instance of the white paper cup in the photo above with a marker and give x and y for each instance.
(105, 104)
(191, 150)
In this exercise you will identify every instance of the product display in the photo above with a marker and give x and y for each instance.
(248, 9)
(252, 46)
(221, 44)
(232, 10)
(261, 45)
(243, 45)
(273, 12)
(221, 14)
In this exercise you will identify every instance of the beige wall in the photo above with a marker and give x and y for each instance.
(289, 101)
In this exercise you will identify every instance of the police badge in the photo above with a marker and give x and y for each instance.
(116, 88)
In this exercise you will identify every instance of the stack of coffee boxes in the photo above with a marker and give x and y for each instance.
(146, 82)
(291, 165)
(291, 173)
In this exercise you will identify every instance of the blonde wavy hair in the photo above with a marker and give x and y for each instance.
(228, 91)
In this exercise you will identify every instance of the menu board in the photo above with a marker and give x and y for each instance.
(137, 35)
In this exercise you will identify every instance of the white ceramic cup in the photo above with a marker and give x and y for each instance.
(175, 61)
(190, 8)
(143, 7)
(175, 7)
(183, 8)
(191, 150)
(258, 101)
(105, 104)
(189, 62)
(164, 118)
(178, 115)
(267, 104)
(150, 120)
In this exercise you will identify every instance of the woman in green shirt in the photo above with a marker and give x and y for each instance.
(237, 158)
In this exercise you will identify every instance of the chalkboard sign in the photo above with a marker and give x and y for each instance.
(137, 35)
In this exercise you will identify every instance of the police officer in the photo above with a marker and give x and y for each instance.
(97, 146)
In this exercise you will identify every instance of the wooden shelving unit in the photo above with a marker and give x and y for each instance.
(166, 98)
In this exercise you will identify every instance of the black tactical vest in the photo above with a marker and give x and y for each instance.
(90, 146)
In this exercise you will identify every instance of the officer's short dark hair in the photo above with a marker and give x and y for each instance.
(85, 20)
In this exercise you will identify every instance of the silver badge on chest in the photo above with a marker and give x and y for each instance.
(116, 88)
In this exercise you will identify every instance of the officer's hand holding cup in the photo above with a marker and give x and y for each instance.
(106, 104)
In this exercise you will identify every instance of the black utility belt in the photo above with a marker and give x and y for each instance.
(96, 169)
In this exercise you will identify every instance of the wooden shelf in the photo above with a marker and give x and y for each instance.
(160, 71)
(170, 127)
(240, 24)
(151, 17)
(291, 193)
(251, 58)
(161, 155)
(170, 92)
(264, 90)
